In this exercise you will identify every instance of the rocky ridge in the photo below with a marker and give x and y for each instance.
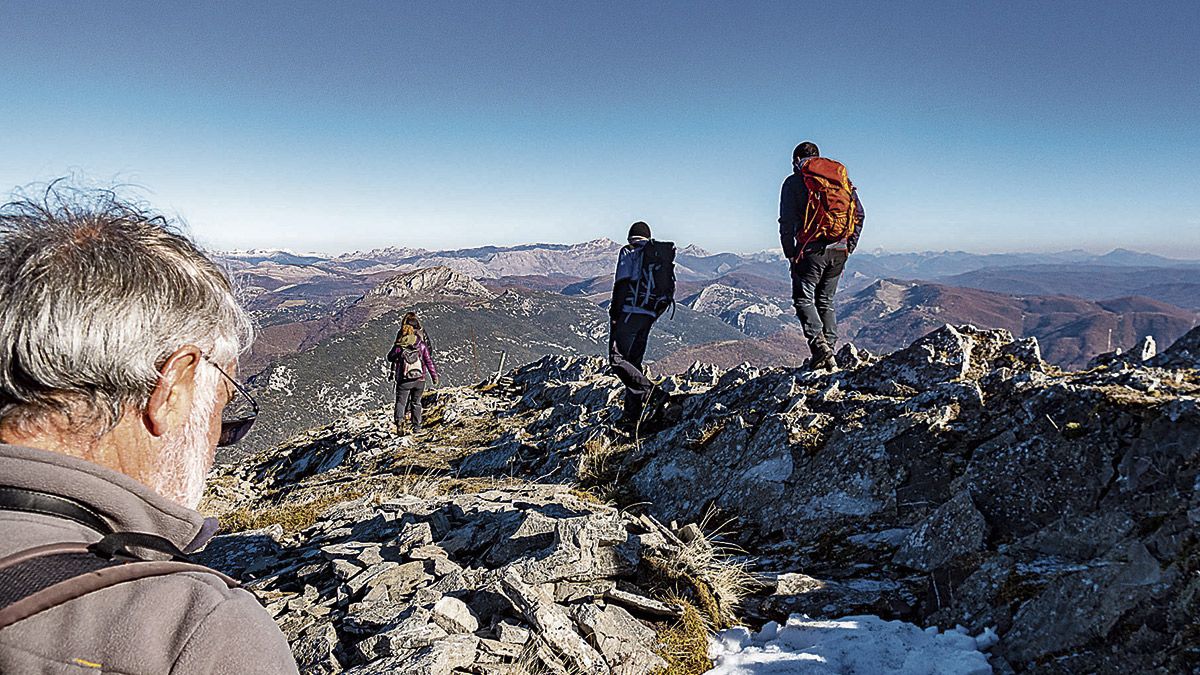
(961, 480)
(433, 284)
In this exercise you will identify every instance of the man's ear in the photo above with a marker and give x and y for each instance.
(170, 403)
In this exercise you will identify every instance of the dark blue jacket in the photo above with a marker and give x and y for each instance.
(792, 200)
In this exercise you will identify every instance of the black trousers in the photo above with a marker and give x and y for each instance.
(408, 399)
(814, 283)
(626, 349)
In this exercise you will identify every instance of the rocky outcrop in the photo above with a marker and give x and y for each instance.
(1185, 353)
(958, 481)
(526, 574)
(433, 284)
(750, 313)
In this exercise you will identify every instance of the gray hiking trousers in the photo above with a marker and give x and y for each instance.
(814, 282)
(408, 399)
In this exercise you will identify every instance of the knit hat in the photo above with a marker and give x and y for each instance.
(806, 149)
(639, 229)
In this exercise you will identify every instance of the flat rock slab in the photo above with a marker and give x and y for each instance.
(626, 644)
(953, 529)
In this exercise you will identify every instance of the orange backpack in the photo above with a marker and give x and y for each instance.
(829, 214)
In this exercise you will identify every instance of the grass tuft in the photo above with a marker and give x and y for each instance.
(290, 516)
(684, 644)
(594, 457)
(707, 572)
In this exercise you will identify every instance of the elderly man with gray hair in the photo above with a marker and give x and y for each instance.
(118, 338)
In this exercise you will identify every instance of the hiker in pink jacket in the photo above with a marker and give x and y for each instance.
(412, 359)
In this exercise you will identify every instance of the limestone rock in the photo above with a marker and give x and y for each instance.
(1083, 605)
(238, 551)
(849, 357)
(626, 644)
(396, 582)
(512, 633)
(314, 650)
(415, 632)
(1184, 353)
(440, 658)
(454, 616)
(954, 529)
(642, 604)
(553, 624)
(946, 354)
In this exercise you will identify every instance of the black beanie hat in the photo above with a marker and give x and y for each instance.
(806, 149)
(639, 229)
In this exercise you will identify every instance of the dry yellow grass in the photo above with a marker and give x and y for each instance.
(594, 458)
(684, 644)
(707, 572)
(293, 517)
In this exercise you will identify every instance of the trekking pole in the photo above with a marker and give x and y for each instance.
(500, 368)
(474, 356)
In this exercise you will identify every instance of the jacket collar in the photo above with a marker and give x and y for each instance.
(125, 503)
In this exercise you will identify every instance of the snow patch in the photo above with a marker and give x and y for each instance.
(856, 644)
(281, 379)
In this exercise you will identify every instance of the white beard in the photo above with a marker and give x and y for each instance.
(186, 456)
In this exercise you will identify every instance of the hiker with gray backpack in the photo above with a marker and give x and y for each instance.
(412, 360)
(643, 290)
(820, 220)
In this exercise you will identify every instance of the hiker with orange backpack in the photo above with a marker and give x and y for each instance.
(820, 220)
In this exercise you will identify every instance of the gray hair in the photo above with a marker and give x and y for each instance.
(95, 294)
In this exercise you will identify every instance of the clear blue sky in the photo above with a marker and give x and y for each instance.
(984, 126)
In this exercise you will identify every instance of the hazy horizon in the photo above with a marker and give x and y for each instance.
(683, 244)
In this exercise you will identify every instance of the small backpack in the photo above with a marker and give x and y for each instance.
(829, 214)
(654, 288)
(411, 367)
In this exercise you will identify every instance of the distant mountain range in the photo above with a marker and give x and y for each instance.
(326, 322)
(1176, 284)
(887, 315)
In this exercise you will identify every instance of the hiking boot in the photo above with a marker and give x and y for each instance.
(822, 356)
(656, 404)
(828, 363)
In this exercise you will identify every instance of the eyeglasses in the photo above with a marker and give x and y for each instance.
(235, 429)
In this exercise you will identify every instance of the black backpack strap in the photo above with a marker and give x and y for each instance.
(43, 577)
(44, 503)
(121, 545)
